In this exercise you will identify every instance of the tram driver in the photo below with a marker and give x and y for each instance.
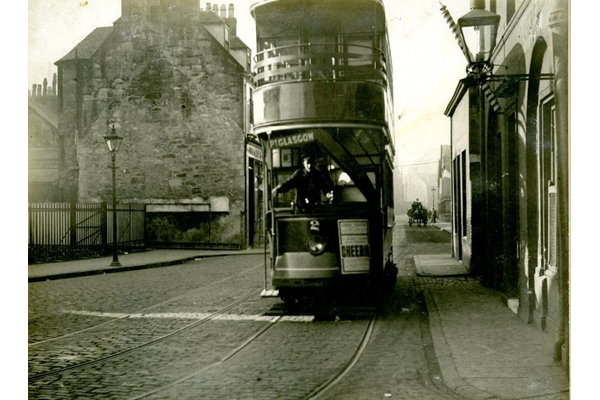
(310, 182)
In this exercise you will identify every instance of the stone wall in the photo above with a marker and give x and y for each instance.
(176, 96)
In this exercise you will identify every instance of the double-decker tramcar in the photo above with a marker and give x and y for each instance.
(323, 96)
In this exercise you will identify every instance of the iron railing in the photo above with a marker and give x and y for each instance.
(62, 231)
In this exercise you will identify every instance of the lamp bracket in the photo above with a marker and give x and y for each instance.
(507, 82)
(518, 77)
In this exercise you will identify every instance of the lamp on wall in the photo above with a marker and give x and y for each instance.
(478, 32)
(479, 29)
(113, 142)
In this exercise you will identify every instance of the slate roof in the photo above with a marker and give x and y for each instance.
(92, 42)
(88, 46)
(237, 43)
(209, 17)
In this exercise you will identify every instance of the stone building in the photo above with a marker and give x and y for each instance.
(510, 165)
(42, 143)
(174, 81)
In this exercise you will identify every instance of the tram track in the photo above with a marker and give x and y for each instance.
(145, 309)
(200, 366)
(74, 352)
(272, 317)
(313, 395)
(331, 382)
(230, 355)
(229, 359)
(187, 327)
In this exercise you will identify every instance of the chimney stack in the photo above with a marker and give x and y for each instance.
(54, 84)
(208, 8)
(231, 21)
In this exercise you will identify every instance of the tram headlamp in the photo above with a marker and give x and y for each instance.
(315, 244)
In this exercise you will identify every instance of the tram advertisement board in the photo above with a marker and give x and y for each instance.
(355, 252)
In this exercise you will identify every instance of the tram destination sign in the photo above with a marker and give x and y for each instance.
(292, 140)
(355, 252)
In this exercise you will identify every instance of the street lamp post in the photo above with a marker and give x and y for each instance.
(113, 142)
(433, 197)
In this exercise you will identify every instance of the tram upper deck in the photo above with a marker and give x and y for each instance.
(321, 63)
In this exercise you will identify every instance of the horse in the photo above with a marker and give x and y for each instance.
(418, 215)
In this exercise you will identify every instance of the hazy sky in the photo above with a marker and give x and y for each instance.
(427, 60)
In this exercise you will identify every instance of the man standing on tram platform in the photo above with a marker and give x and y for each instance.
(309, 181)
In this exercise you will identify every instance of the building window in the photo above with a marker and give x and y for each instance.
(463, 190)
(251, 112)
(548, 181)
(227, 39)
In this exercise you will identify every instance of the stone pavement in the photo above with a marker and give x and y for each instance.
(129, 262)
(438, 265)
(484, 350)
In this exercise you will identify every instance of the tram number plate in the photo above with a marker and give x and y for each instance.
(355, 252)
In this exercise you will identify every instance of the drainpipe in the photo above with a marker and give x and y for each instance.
(559, 25)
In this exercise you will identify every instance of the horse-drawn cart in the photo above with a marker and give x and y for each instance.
(417, 213)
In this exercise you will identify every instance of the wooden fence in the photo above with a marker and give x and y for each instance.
(62, 231)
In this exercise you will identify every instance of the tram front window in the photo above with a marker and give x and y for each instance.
(312, 184)
(309, 184)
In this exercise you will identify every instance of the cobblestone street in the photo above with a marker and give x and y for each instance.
(201, 330)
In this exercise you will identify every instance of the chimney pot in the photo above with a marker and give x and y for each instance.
(216, 8)
(223, 11)
(231, 10)
(208, 8)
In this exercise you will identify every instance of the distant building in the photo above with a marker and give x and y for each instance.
(43, 143)
(416, 180)
(174, 80)
(444, 184)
